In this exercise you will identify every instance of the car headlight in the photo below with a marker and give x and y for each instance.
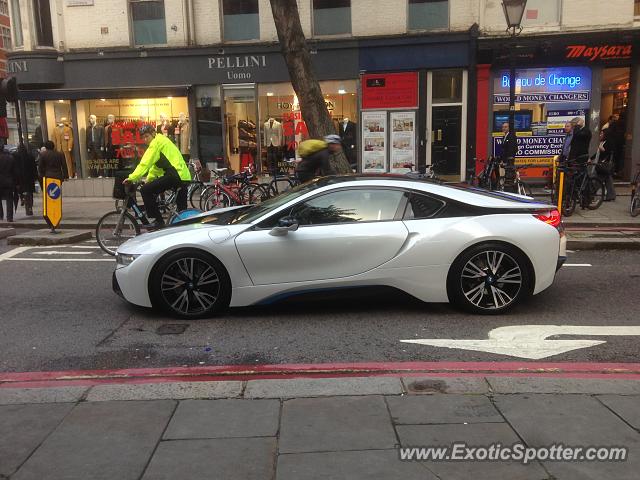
(124, 259)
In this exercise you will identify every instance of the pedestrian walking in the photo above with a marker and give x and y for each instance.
(52, 164)
(8, 183)
(28, 175)
(603, 160)
(334, 144)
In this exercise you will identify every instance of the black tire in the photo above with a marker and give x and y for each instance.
(475, 286)
(569, 203)
(258, 194)
(106, 235)
(175, 288)
(195, 194)
(596, 193)
(634, 207)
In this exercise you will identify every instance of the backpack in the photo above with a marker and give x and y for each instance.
(309, 147)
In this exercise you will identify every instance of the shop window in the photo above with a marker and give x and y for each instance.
(43, 28)
(541, 12)
(428, 14)
(447, 86)
(331, 17)
(148, 21)
(5, 34)
(241, 20)
(16, 22)
(282, 127)
(209, 118)
(4, 7)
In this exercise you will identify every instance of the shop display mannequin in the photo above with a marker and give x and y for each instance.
(95, 146)
(273, 139)
(165, 127)
(109, 151)
(348, 134)
(183, 130)
(37, 139)
(63, 142)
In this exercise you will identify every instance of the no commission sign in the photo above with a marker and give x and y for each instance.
(531, 147)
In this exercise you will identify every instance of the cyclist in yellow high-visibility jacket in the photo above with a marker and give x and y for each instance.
(165, 168)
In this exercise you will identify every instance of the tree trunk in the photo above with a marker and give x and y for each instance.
(305, 84)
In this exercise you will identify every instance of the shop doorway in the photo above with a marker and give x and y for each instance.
(241, 134)
(446, 125)
(446, 136)
(613, 113)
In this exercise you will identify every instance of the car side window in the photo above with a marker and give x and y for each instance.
(421, 206)
(348, 206)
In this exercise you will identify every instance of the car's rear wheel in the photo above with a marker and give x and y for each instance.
(489, 278)
(190, 284)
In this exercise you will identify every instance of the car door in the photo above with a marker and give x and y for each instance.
(341, 233)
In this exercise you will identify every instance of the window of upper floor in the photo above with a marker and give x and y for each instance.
(331, 17)
(148, 22)
(241, 20)
(636, 9)
(428, 15)
(16, 23)
(4, 7)
(541, 13)
(43, 28)
(5, 35)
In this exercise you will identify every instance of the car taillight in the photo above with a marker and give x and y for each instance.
(552, 217)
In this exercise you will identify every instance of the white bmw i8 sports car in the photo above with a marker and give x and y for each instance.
(482, 251)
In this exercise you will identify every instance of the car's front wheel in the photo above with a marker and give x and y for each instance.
(489, 278)
(190, 284)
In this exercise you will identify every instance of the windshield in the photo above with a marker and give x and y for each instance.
(253, 212)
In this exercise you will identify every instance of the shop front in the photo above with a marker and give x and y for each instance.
(236, 109)
(414, 105)
(559, 79)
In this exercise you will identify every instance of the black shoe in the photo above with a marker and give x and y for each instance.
(155, 225)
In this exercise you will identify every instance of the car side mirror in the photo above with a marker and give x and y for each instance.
(285, 225)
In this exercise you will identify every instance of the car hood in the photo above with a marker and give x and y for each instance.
(190, 234)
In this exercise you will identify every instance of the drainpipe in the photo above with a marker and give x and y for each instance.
(187, 20)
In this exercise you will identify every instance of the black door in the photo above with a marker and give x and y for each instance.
(446, 135)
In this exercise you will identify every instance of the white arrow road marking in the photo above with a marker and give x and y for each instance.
(530, 341)
(60, 252)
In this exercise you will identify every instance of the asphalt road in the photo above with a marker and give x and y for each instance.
(59, 315)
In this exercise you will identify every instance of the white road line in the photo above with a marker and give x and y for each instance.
(60, 259)
(85, 246)
(577, 265)
(11, 253)
(57, 252)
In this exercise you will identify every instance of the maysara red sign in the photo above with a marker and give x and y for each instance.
(390, 90)
(601, 52)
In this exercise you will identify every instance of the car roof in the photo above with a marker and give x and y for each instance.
(458, 192)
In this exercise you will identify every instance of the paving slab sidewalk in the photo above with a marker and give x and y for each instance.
(347, 428)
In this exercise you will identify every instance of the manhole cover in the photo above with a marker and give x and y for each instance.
(171, 328)
(427, 386)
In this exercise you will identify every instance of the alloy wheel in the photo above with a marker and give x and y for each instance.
(190, 286)
(491, 280)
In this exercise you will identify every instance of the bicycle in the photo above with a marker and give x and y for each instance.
(116, 227)
(232, 190)
(281, 183)
(634, 206)
(488, 178)
(580, 189)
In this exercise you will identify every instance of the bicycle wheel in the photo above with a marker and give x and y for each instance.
(215, 200)
(634, 207)
(195, 194)
(596, 193)
(569, 203)
(280, 185)
(115, 228)
(258, 194)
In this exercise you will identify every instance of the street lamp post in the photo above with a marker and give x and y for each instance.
(513, 12)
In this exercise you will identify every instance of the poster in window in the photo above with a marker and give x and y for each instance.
(374, 137)
(403, 147)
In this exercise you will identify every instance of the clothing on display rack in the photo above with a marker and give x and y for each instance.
(348, 131)
(94, 138)
(63, 142)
